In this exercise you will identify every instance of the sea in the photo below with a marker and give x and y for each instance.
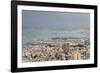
(29, 35)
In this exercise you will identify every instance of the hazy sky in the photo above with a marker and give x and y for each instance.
(53, 20)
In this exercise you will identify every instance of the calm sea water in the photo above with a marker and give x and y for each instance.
(29, 35)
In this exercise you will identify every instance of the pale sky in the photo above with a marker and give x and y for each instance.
(54, 20)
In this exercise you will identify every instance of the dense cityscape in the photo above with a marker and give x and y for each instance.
(57, 49)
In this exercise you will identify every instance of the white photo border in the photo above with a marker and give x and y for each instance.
(52, 63)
